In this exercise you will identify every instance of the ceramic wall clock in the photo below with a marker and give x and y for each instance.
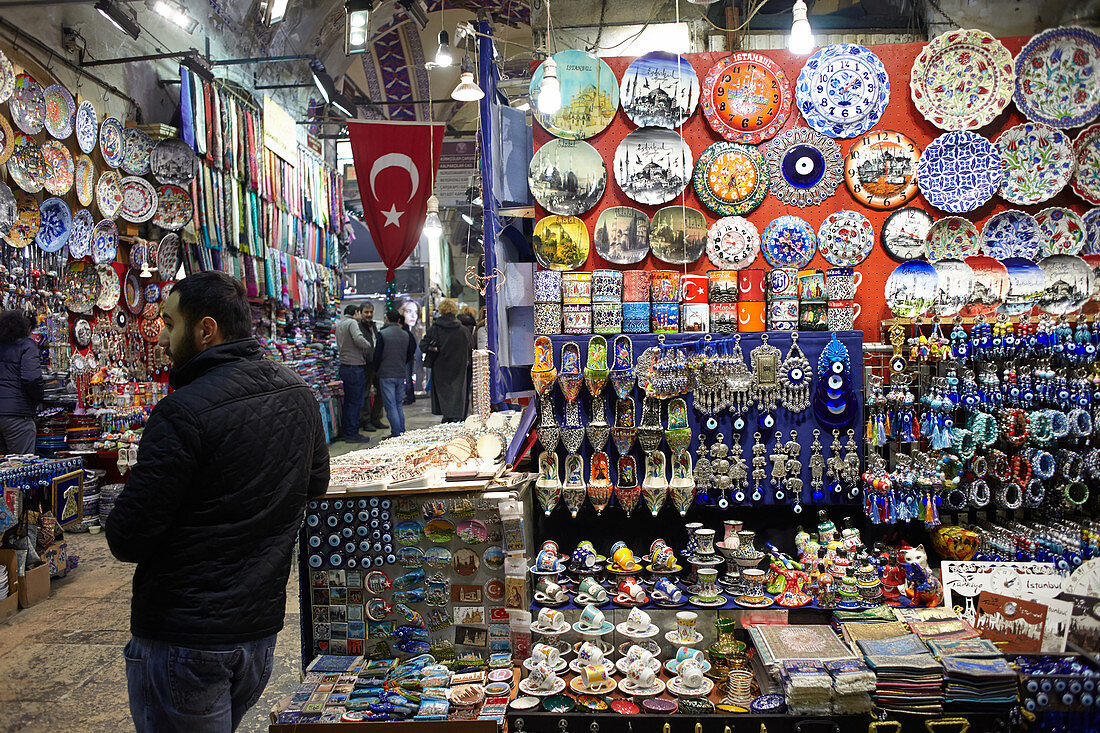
(1058, 77)
(560, 242)
(86, 126)
(27, 220)
(621, 235)
(731, 178)
(911, 288)
(1011, 233)
(1069, 284)
(653, 165)
(8, 209)
(1092, 232)
(732, 243)
(659, 89)
(789, 241)
(55, 225)
(845, 238)
(746, 98)
(7, 140)
(84, 180)
(104, 241)
(136, 147)
(1038, 161)
(7, 78)
(108, 194)
(27, 105)
(80, 237)
(842, 90)
(139, 199)
(1086, 149)
(110, 141)
(804, 166)
(1026, 283)
(880, 170)
(904, 233)
(959, 171)
(954, 286)
(174, 208)
(952, 237)
(961, 80)
(173, 162)
(26, 166)
(60, 111)
(59, 168)
(990, 286)
(589, 96)
(1063, 231)
(678, 235)
(567, 177)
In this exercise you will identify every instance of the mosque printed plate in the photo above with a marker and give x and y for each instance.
(59, 167)
(733, 243)
(80, 237)
(136, 147)
(1069, 284)
(110, 141)
(954, 286)
(567, 177)
(731, 178)
(788, 241)
(842, 90)
(87, 126)
(173, 162)
(84, 180)
(26, 166)
(55, 225)
(1092, 232)
(27, 219)
(911, 288)
(1026, 284)
(959, 171)
(139, 200)
(560, 242)
(659, 89)
(27, 105)
(174, 208)
(805, 167)
(678, 235)
(1058, 77)
(653, 165)
(1039, 161)
(880, 170)
(1086, 149)
(746, 98)
(108, 194)
(962, 79)
(589, 95)
(60, 111)
(621, 235)
(1011, 233)
(1063, 231)
(990, 286)
(845, 238)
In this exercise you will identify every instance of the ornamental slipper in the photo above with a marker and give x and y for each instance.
(625, 430)
(682, 486)
(622, 372)
(549, 432)
(650, 433)
(572, 431)
(627, 491)
(570, 377)
(573, 491)
(655, 485)
(678, 433)
(548, 484)
(598, 429)
(543, 373)
(599, 483)
(595, 368)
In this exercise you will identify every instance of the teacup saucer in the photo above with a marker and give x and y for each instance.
(608, 667)
(543, 600)
(527, 689)
(676, 687)
(617, 571)
(674, 570)
(536, 571)
(549, 632)
(607, 628)
(627, 686)
(605, 647)
(673, 637)
(577, 684)
(704, 602)
(648, 644)
(669, 603)
(654, 664)
(624, 600)
(753, 601)
(587, 599)
(630, 633)
(670, 665)
(530, 664)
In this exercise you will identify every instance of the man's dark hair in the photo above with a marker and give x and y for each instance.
(351, 310)
(14, 325)
(219, 296)
(393, 316)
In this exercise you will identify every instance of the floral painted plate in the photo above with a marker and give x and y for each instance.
(174, 208)
(7, 140)
(27, 220)
(1011, 233)
(168, 256)
(1058, 77)
(84, 180)
(26, 167)
(80, 236)
(27, 105)
(1069, 284)
(110, 141)
(911, 288)
(954, 286)
(959, 171)
(1039, 161)
(104, 241)
(55, 225)
(789, 241)
(58, 167)
(173, 162)
(733, 243)
(1026, 283)
(842, 90)
(560, 242)
(87, 126)
(1086, 148)
(60, 111)
(805, 167)
(1063, 231)
(845, 238)
(8, 209)
(139, 199)
(7, 78)
(962, 80)
(1092, 232)
(990, 286)
(136, 147)
(678, 234)
(108, 194)
(952, 237)
(110, 289)
(731, 178)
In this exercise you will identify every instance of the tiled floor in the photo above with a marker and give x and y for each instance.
(61, 664)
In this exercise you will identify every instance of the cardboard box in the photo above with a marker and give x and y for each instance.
(9, 606)
(34, 586)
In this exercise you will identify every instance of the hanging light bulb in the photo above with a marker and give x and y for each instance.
(443, 53)
(549, 100)
(801, 41)
(433, 227)
(467, 90)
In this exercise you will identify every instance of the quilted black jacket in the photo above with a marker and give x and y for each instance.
(211, 510)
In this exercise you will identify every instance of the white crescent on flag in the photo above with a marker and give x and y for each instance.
(395, 160)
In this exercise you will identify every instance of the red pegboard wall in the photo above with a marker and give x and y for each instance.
(901, 116)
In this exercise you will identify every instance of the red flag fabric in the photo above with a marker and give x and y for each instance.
(395, 164)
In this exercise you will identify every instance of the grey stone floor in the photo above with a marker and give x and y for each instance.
(61, 665)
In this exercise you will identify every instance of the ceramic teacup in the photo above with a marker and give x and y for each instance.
(589, 653)
(584, 557)
(655, 545)
(632, 589)
(638, 653)
(685, 625)
(637, 620)
(623, 559)
(704, 541)
(546, 653)
(547, 561)
(542, 677)
(691, 673)
(591, 618)
(550, 618)
(666, 590)
(548, 590)
(594, 675)
(707, 587)
(663, 558)
(641, 674)
(685, 654)
(591, 590)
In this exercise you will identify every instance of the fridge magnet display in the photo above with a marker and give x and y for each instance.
(465, 562)
(55, 224)
(789, 241)
(653, 165)
(27, 105)
(678, 235)
(58, 168)
(1086, 148)
(732, 243)
(439, 530)
(621, 235)
(1069, 284)
(954, 287)
(25, 166)
(959, 171)
(731, 178)
(1038, 160)
(952, 237)
(7, 78)
(84, 180)
(881, 169)
(1011, 233)
(86, 127)
(589, 95)
(911, 288)
(560, 242)
(60, 111)
(493, 557)
(1062, 231)
(746, 98)
(845, 238)
(567, 177)
(659, 89)
(962, 79)
(7, 140)
(904, 233)
(842, 90)
(1058, 77)
(1026, 283)
(804, 166)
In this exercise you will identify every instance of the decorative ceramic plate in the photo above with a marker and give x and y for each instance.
(962, 80)
(1063, 231)
(1086, 149)
(137, 255)
(1026, 284)
(959, 171)
(55, 225)
(110, 289)
(168, 257)
(104, 241)
(139, 199)
(7, 78)
(952, 237)
(905, 232)
(842, 90)
(678, 235)
(80, 287)
(1058, 77)
(60, 111)
(108, 194)
(659, 89)
(954, 286)
(80, 236)
(84, 180)
(990, 286)
(58, 167)
(845, 238)
(567, 177)
(789, 241)
(1069, 284)
(589, 96)
(746, 98)
(136, 147)
(9, 211)
(621, 235)
(25, 166)
(881, 169)
(1011, 233)
(805, 166)
(731, 178)
(1092, 232)
(174, 208)
(911, 288)
(86, 126)
(27, 105)
(173, 162)
(7, 140)
(110, 141)
(653, 165)
(1038, 160)
(732, 243)
(560, 242)
(27, 220)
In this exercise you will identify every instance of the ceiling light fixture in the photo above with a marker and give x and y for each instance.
(345, 106)
(273, 11)
(322, 80)
(549, 100)
(433, 227)
(356, 25)
(417, 10)
(122, 17)
(801, 41)
(467, 90)
(443, 53)
(198, 65)
(175, 13)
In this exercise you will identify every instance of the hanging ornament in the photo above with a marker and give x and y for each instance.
(625, 430)
(599, 482)
(622, 369)
(765, 373)
(834, 401)
(759, 460)
(738, 380)
(795, 378)
(817, 469)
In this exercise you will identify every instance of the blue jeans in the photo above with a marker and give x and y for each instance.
(355, 393)
(393, 390)
(176, 688)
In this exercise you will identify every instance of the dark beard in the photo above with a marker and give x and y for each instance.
(184, 355)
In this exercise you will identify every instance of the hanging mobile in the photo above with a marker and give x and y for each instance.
(794, 471)
(765, 375)
(759, 460)
(897, 340)
(834, 400)
(817, 469)
(835, 464)
(738, 380)
(795, 378)
(739, 470)
(778, 458)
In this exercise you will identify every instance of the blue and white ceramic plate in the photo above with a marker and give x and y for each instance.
(959, 171)
(1092, 232)
(911, 288)
(80, 236)
(1026, 284)
(1069, 284)
(87, 126)
(56, 225)
(804, 166)
(789, 241)
(136, 147)
(110, 141)
(954, 287)
(842, 90)
(1058, 77)
(1011, 233)
(104, 241)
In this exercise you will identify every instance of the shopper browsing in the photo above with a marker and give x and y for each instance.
(371, 417)
(392, 355)
(210, 514)
(21, 383)
(355, 353)
(449, 341)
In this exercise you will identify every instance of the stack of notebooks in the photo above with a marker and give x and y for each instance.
(975, 683)
(909, 677)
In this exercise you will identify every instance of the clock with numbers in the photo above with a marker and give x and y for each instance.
(881, 169)
(842, 90)
(746, 98)
(905, 232)
(731, 178)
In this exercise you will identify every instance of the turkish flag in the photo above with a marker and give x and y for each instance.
(395, 164)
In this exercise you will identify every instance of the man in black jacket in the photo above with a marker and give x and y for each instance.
(210, 514)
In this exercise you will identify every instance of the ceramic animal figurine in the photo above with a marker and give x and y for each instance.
(916, 555)
(922, 588)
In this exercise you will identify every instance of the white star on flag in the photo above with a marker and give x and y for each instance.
(393, 216)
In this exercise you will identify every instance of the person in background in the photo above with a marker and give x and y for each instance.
(371, 417)
(451, 343)
(393, 353)
(21, 383)
(469, 321)
(410, 310)
(467, 316)
(481, 335)
(210, 514)
(355, 352)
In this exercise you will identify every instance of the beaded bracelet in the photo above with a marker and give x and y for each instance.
(1080, 422)
(1008, 496)
(956, 499)
(979, 494)
(1034, 494)
(1059, 423)
(1000, 464)
(1043, 464)
(1073, 466)
(1014, 426)
(1069, 487)
(979, 464)
(966, 442)
(1039, 423)
(1092, 463)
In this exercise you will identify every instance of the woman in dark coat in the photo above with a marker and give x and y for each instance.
(449, 383)
(21, 383)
